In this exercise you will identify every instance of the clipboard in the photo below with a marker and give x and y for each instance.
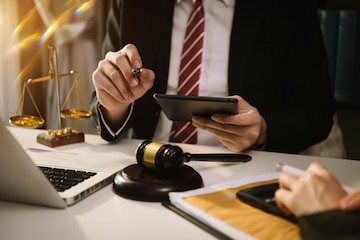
(217, 234)
(217, 210)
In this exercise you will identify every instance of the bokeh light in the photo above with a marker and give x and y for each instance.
(41, 34)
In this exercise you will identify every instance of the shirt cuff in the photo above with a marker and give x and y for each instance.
(108, 128)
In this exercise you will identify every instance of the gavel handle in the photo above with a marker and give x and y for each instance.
(218, 157)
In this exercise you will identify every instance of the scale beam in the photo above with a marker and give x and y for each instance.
(61, 136)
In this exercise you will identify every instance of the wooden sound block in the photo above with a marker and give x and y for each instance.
(56, 138)
(135, 182)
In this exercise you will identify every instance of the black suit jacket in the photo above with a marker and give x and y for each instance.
(332, 224)
(277, 63)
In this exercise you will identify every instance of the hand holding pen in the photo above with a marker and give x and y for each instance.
(303, 193)
(119, 80)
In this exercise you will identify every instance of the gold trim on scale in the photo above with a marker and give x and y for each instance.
(62, 136)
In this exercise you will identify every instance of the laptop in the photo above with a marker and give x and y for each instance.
(23, 180)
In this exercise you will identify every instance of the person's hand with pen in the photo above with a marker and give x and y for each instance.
(119, 80)
(316, 191)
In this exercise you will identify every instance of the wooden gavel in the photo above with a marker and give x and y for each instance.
(168, 158)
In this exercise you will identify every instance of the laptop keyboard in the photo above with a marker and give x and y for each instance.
(63, 179)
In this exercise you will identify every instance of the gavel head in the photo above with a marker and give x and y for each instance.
(160, 157)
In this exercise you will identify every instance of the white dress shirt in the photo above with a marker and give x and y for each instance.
(213, 81)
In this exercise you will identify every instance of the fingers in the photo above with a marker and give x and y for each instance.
(237, 132)
(320, 174)
(115, 82)
(319, 187)
(287, 181)
(247, 114)
(146, 81)
(317, 169)
(240, 124)
(284, 195)
(107, 78)
(242, 106)
(351, 201)
(223, 133)
(125, 60)
(283, 198)
(133, 55)
(348, 203)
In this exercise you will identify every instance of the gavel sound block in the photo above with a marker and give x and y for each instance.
(160, 169)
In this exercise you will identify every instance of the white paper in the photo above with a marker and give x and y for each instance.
(177, 199)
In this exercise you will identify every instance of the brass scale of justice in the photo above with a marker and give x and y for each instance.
(61, 136)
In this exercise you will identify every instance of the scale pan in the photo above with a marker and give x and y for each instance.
(73, 113)
(26, 121)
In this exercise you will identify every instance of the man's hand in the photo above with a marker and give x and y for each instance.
(237, 132)
(115, 84)
(318, 191)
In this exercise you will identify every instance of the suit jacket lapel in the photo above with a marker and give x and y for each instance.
(162, 28)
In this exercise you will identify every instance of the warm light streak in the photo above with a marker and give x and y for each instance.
(84, 7)
(1, 14)
(41, 36)
(23, 23)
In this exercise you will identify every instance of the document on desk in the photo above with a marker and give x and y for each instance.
(223, 215)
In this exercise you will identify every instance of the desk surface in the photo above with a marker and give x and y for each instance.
(105, 215)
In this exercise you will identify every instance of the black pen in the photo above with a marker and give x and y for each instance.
(136, 71)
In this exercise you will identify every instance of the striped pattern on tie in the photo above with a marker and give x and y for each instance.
(184, 132)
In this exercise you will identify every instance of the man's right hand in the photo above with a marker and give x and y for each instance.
(116, 86)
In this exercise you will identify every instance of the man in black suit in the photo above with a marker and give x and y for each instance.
(275, 60)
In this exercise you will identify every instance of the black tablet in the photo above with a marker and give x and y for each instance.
(182, 108)
(263, 197)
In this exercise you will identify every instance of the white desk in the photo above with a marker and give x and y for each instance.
(105, 215)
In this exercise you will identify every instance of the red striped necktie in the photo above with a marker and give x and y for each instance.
(185, 132)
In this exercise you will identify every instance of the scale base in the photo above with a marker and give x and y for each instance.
(56, 138)
(136, 183)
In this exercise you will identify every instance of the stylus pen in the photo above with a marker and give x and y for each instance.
(280, 167)
(136, 71)
(300, 173)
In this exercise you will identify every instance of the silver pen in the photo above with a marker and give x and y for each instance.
(280, 167)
